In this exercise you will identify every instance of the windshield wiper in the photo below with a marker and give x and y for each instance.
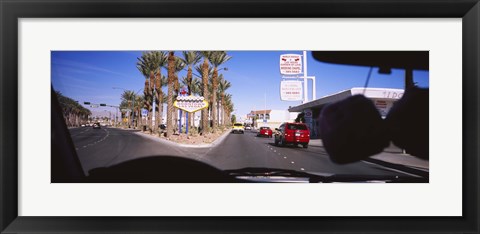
(323, 177)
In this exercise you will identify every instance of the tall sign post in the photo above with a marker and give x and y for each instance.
(305, 82)
(293, 66)
(183, 92)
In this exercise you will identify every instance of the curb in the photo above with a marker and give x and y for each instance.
(214, 143)
(400, 167)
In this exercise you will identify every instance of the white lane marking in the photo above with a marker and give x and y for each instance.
(285, 157)
(105, 137)
(80, 132)
(303, 169)
(274, 151)
(293, 162)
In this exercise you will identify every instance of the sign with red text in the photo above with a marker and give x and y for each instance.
(291, 90)
(190, 103)
(290, 64)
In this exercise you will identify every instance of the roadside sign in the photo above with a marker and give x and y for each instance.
(290, 64)
(308, 113)
(190, 103)
(264, 120)
(291, 90)
(144, 112)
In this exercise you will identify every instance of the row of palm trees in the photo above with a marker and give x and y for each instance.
(210, 84)
(73, 113)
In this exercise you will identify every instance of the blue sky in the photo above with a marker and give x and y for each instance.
(89, 76)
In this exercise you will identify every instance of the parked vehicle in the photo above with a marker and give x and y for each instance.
(292, 133)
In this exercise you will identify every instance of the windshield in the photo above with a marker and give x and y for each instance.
(297, 127)
(122, 106)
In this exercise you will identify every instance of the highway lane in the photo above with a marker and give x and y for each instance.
(248, 150)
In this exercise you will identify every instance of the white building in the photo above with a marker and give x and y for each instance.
(271, 118)
(382, 98)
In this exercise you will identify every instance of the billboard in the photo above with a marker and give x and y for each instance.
(190, 103)
(291, 90)
(290, 64)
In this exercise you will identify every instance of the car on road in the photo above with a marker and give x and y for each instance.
(248, 127)
(237, 128)
(292, 133)
(265, 131)
(96, 126)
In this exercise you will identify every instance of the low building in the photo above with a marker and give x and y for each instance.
(383, 99)
(270, 118)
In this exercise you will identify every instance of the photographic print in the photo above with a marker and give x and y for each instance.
(240, 116)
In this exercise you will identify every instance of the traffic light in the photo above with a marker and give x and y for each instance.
(102, 104)
(86, 103)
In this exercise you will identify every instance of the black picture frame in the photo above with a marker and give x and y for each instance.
(11, 11)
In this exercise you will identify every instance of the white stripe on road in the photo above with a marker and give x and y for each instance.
(105, 137)
(86, 130)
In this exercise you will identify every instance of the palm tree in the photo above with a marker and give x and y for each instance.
(204, 71)
(73, 113)
(228, 108)
(128, 97)
(216, 59)
(150, 65)
(171, 77)
(179, 65)
(223, 85)
(139, 101)
(160, 100)
(190, 58)
(196, 87)
(159, 59)
(196, 90)
(147, 68)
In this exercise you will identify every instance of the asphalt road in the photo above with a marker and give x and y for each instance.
(248, 150)
(109, 146)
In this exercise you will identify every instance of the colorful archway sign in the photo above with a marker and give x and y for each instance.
(190, 103)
